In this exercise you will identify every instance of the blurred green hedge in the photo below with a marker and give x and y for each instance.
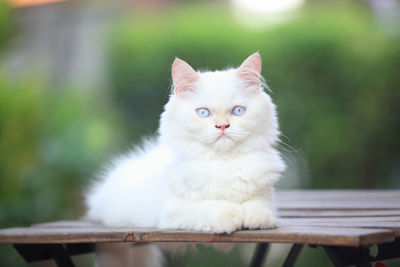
(5, 23)
(52, 142)
(333, 73)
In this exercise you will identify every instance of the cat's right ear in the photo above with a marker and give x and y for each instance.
(250, 71)
(183, 77)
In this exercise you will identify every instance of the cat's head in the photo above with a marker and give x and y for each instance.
(220, 111)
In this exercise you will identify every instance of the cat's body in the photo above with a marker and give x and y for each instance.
(213, 166)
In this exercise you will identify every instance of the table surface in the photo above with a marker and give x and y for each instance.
(319, 217)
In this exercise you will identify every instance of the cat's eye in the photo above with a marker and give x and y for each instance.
(238, 111)
(203, 112)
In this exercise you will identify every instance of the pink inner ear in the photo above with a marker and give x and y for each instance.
(250, 70)
(183, 76)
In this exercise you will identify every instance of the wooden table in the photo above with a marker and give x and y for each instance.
(345, 223)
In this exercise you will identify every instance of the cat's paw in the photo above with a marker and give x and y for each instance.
(224, 220)
(256, 218)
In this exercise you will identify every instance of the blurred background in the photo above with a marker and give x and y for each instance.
(81, 81)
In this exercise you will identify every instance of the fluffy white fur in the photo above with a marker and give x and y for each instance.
(191, 177)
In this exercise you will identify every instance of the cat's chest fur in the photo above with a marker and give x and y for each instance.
(236, 178)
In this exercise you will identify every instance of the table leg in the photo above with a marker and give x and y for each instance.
(61, 256)
(334, 257)
(293, 254)
(60, 253)
(345, 256)
(259, 255)
(388, 251)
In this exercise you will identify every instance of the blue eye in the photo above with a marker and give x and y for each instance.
(238, 111)
(203, 112)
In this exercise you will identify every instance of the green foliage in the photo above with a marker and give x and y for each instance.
(5, 22)
(51, 142)
(333, 73)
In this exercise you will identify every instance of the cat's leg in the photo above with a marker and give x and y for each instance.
(216, 216)
(259, 213)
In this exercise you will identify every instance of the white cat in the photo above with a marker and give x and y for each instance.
(212, 167)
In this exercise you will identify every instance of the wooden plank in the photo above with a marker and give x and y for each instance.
(320, 195)
(391, 223)
(337, 213)
(339, 205)
(68, 224)
(285, 234)
(84, 224)
(338, 199)
(340, 222)
(395, 219)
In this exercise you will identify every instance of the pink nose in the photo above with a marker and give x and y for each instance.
(222, 127)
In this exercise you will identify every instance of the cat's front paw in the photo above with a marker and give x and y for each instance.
(256, 218)
(224, 220)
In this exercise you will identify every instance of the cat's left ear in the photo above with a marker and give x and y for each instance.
(250, 70)
(183, 77)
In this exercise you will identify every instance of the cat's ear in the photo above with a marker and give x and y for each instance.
(250, 70)
(183, 77)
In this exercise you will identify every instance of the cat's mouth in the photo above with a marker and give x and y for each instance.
(224, 142)
(223, 136)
